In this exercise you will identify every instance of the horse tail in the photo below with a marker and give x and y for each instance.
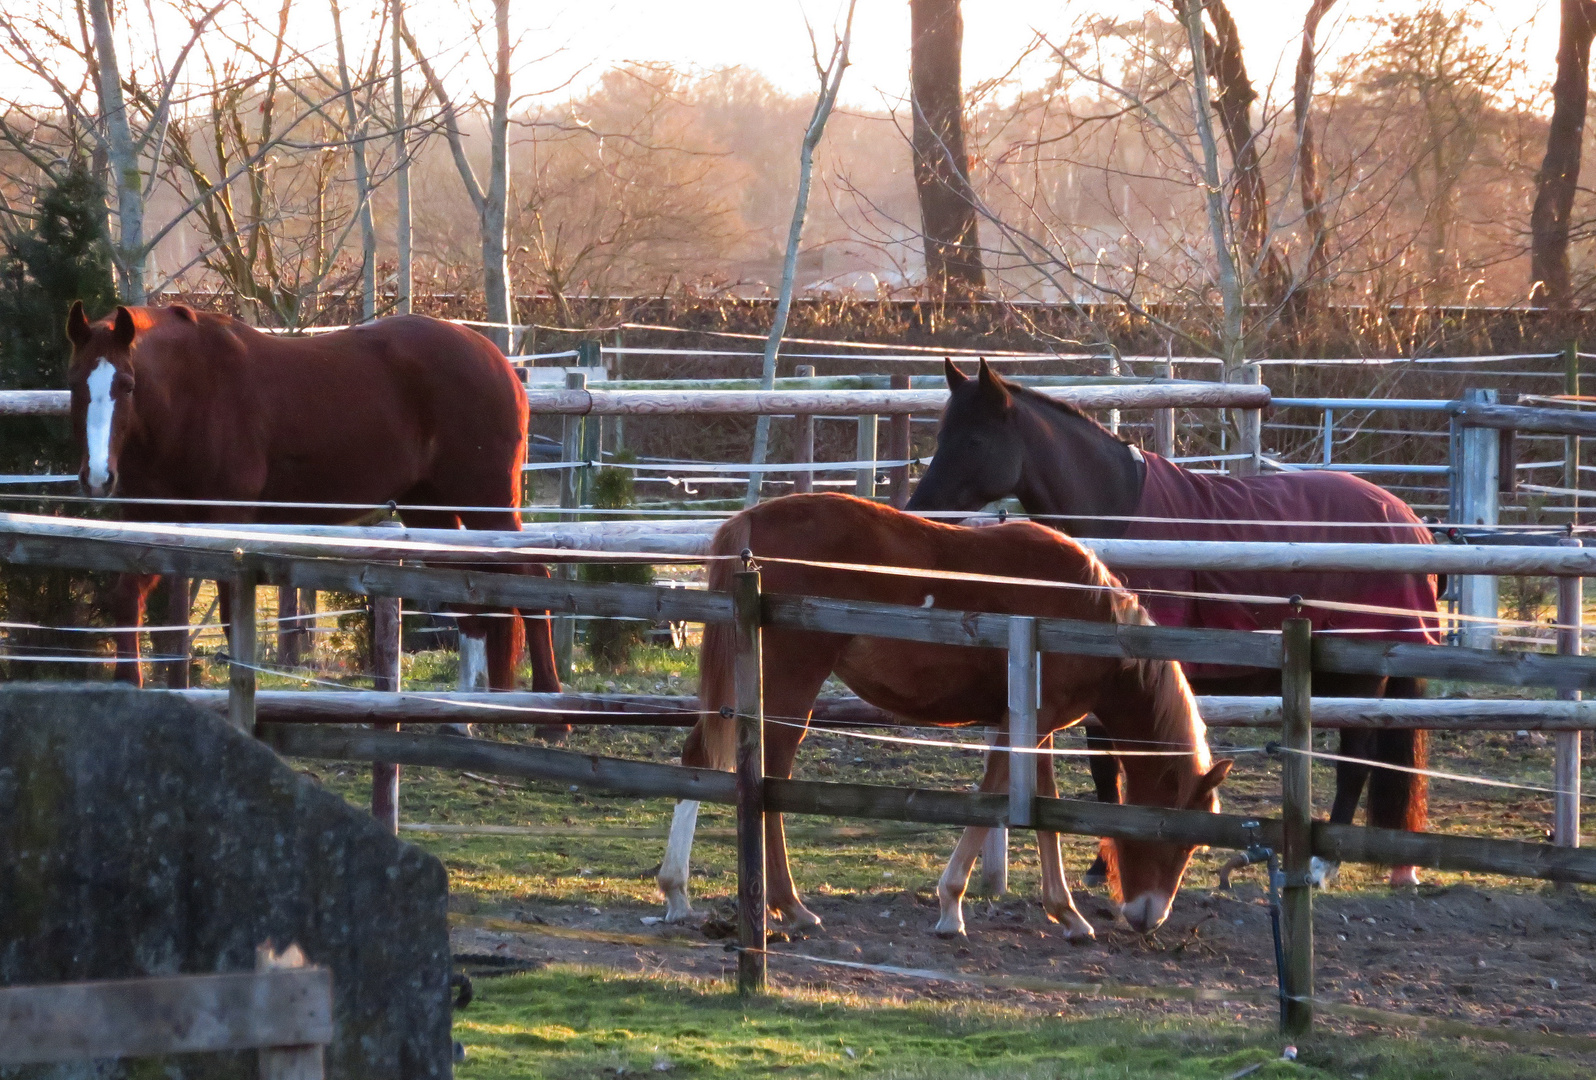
(712, 744)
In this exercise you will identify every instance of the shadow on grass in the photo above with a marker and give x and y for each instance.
(567, 1022)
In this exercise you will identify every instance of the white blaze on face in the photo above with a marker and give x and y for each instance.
(101, 409)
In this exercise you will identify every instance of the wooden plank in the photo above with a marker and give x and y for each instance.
(803, 440)
(241, 649)
(287, 1062)
(634, 402)
(638, 779)
(174, 1014)
(1296, 801)
(35, 403)
(385, 662)
(1022, 718)
(1498, 667)
(1477, 482)
(898, 443)
(1483, 414)
(864, 480)
(748, 679)
(646, 779)
(179, 608)
(431, 546)
(1566, 760)
(650, 710)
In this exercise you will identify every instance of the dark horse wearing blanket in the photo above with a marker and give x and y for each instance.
(1142, 702)
(168, 403)
(998, 439)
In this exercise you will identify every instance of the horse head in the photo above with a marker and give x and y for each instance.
(1145, 875)
(100, 377)
(979, 446)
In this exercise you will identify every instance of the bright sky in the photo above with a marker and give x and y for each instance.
(770, 35)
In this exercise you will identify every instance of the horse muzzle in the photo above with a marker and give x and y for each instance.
(1147, 912)
(95, 488)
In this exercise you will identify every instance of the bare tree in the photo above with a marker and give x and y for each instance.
(1309, 182)
(1558, 179)
(941, 165)
(401, 153)
(491, 204)
(830, 77)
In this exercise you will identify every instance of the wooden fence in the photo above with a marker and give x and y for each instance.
(283, 1009)
(221, 554)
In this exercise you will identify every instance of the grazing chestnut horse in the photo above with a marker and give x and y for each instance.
(168, 403)
(1146, 703)
(999, 439)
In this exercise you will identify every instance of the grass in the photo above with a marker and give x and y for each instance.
(569, 1022)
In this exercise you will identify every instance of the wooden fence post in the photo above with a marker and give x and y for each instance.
(995, 852)
(1571, 442)
(288, 636)
(748, 679)
(864, 484)
(1022, 717)
(287, 1062)
(385, 663)
(803, 439)
(571, 442)
(241, 648)
(1164, 421)
(1566, 766)
(898, 442)
(1476, 463)
(179, 606)
(1296, 811)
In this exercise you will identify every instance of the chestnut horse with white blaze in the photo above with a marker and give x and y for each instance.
(170, 403)
(1142, 703)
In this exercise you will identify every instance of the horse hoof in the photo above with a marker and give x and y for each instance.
(1080, 935)
(1096, 875)
(948, 932)
(677, 910)
(553, 734)
(1322, 873)
(798, 918)
(464, 731)
(1404, 877)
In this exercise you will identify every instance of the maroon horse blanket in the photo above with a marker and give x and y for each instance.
(1247, 509)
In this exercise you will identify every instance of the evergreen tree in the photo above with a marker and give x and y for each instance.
(62, 258)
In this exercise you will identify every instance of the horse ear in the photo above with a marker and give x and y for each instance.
(956, 378)
(77, 325)
(991, 383)
(1210, 782)
(184, 312)
(126, 329)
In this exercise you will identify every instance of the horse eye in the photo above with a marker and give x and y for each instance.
(123, 382)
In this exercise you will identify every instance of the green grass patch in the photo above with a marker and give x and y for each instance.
(568, 1022)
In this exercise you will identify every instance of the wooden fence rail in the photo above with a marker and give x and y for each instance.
(647, 779)
(661, 710)
(285, 1012)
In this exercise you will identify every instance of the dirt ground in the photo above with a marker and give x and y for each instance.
(1499, 959)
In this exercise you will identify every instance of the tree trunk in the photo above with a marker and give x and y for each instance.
(941, 165)
(1233, 103)
(1559, 176)
(495, 209)
(1316, 269)
(368, 229)
(129, 251)
(401, 150)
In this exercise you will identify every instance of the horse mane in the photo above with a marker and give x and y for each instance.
(1074, 412)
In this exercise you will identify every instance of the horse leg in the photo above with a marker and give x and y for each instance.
(1400, 800)
(790, 689)
(1057, 903)
(540, 650)
(1105, 778)
(781, 894)
(956, 876)
(673, 869)
(127, 613)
